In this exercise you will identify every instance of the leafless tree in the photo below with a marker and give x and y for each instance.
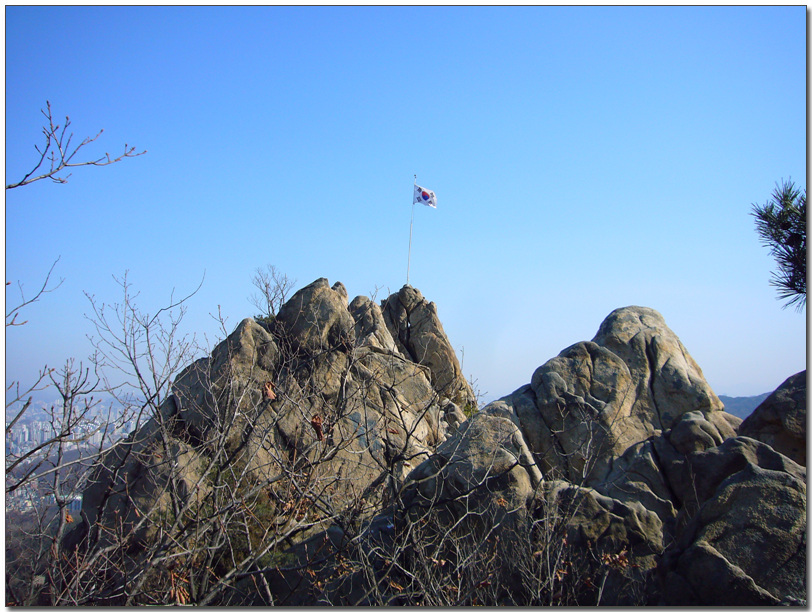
(50, 476)
(138, 353)
(274, 288)
(49, 473)
(46, 287)
(18, 400)
(56, 154)
(56, 471)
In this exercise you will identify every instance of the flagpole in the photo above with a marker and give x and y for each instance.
(411, 223)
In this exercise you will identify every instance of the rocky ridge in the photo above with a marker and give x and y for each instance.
(617, 456)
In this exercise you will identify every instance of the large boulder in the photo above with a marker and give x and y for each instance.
(596, 399)
(416, 329)
(485, 461)
(668, 381)
(780, 420)
(741, 539)
(585, 396)
(316, 318)
(630, 418)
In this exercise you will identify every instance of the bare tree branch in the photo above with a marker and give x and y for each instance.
(11, 315)
(56, 154)
(274, 287)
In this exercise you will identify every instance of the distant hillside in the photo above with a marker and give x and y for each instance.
(742, 407)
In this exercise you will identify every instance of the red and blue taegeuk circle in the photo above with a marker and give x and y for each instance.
(425, 195)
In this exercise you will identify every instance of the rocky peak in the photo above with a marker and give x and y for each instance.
(323, 379)
(418, 333)
(669, 381)
(316, 318)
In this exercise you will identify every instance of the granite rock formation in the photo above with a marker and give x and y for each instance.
(614, 477)
(321, 397)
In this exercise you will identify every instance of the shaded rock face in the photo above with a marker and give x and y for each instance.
(600, 529)
(724, 501)
(654, 471)
(214, 391)
(746, 541)
(780, 420)
(133, 483)
(418, 334)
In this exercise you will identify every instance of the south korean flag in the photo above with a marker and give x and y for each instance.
(424, 196)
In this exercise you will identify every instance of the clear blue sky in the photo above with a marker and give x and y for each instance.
(583, 159)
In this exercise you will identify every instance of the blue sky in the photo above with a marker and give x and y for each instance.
(583, 158)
